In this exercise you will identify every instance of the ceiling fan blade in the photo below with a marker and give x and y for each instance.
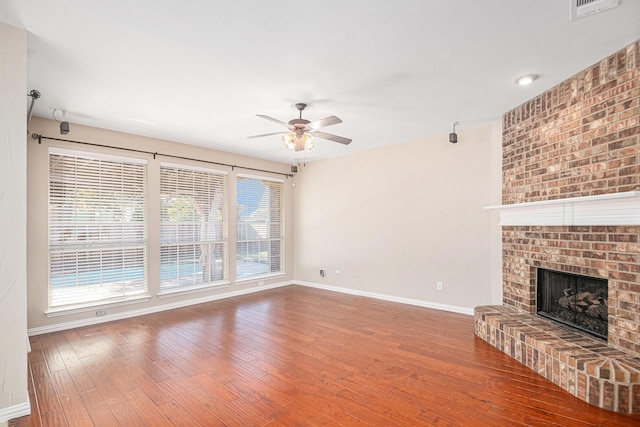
(267, 134)
(334, 138)
(327, 121)
(273, 120)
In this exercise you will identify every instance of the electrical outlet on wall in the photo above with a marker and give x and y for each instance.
(439, 286)
(338, 273)
(322, 272)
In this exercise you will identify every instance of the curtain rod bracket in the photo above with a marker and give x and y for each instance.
(36, 136)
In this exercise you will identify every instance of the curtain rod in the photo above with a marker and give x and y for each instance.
(41, 137)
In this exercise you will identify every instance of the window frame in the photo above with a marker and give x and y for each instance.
(280, 238)
(64, 225)
(221, 243)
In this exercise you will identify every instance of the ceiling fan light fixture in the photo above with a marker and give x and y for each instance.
(308, 143)
(288, 140)
(298, 141)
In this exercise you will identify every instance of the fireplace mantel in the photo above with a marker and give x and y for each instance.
(603, 209)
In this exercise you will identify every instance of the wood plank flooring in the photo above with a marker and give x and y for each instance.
(292, 356)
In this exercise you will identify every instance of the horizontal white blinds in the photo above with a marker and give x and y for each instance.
(193, 226)
(97, 228)
(259, 231)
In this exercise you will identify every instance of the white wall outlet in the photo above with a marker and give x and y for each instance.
(338, 273)
(101, 313)
(439, 286)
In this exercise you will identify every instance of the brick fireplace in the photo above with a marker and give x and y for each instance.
(580, 139)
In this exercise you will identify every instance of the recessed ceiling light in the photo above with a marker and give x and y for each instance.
(526, 80)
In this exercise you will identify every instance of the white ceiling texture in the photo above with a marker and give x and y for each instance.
(199, 71)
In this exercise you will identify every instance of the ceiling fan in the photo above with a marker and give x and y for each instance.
(302, 132)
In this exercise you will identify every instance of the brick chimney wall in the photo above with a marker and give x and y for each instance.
(579, 138)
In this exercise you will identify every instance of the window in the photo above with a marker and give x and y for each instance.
(97, 228)
(193, 229)
(259, 228)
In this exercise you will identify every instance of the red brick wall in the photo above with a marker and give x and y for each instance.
(580, 138)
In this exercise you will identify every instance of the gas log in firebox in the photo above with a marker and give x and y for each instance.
(575, 300)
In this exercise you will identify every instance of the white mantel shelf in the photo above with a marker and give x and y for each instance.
(604, 209)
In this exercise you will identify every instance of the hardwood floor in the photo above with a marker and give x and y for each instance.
(292, 356)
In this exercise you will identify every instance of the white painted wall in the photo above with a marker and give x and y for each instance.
(394, 221)
(14, 397)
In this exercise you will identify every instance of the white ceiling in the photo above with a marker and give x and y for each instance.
(199, 71)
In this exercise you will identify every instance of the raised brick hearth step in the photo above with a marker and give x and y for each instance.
(586, 367)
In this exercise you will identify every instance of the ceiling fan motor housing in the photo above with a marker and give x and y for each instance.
(299, 122)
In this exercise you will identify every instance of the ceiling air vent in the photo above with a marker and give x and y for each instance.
(582, 8)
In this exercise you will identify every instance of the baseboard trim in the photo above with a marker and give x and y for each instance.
(149, 310)
(392, 298)
(155, 309)
(15, 411)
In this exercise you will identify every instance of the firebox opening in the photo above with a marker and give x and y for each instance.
(575, 300)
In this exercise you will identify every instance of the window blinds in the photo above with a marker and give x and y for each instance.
(97, 227)
(259, 231)
(193, 226)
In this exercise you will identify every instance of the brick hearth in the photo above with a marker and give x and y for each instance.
(586, 367)
(580, 138)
